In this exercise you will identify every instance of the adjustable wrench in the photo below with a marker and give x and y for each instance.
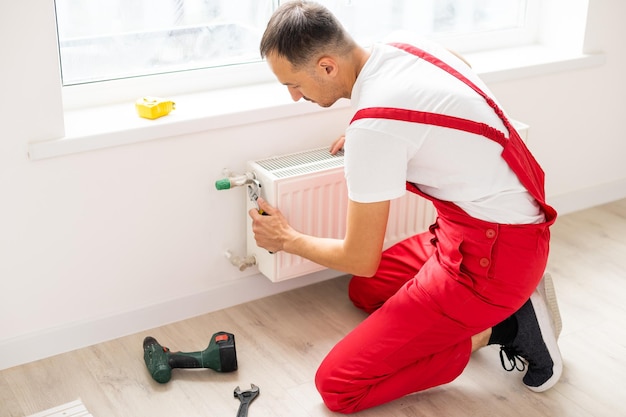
(254, 192)
(246, 397)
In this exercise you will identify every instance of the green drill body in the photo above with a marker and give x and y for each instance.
(220, 356)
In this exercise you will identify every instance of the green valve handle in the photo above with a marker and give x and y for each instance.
(223, 184)
(235, 181)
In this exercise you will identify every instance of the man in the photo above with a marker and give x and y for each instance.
(424, 122)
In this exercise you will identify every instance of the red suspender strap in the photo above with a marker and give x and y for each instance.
(514, 150)
(436, 119)
(447, 68)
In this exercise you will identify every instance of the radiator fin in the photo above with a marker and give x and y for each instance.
(300, 163)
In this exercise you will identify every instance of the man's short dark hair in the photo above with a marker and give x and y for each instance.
(301, 31)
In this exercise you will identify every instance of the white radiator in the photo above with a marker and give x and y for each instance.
(310, 190)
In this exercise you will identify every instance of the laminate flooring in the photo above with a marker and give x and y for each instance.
(281, 340)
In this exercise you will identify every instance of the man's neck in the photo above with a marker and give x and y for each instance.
(357, 61)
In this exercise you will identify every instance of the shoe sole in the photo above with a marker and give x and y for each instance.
(546, 289)
(549, 319)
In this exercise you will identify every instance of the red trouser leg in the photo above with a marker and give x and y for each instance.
(383, 358)
(421, 336)
(399, 264)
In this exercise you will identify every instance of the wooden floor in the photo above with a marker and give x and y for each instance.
(281, 340)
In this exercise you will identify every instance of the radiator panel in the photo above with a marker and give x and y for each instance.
(310, 190)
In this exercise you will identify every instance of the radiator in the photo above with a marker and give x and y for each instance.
(309, 189)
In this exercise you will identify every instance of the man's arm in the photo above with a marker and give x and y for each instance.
(358, 253)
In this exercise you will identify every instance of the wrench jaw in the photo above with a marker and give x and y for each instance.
(254, 192)
(246, 397)
(251, 393)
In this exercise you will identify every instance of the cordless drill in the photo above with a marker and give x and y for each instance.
(220, 356)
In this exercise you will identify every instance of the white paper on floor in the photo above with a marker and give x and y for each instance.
(71, 409)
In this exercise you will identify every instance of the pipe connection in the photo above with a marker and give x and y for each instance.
(242, 263)
(234, 180)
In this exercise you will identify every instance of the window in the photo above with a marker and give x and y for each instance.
(503, 39)
(126, 38)
(118, 39)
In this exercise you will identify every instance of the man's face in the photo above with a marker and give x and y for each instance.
(311, 83)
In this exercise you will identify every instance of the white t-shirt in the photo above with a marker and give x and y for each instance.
(448, 164)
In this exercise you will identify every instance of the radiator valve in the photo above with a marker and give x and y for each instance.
(233, 180)
(240, 262)
(248, 179)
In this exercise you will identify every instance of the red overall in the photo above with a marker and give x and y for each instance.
(432, 294)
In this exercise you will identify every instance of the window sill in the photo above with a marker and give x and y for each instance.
(114, 125)
(103, 127)
(529, 61)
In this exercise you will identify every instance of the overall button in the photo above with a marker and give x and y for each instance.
(490, 233)
(484, 262)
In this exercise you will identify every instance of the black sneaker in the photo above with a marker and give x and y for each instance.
(535, 344)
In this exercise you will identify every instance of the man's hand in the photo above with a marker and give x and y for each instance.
(358, 253)
(337, 145)
(270, 229)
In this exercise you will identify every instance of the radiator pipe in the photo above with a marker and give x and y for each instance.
(241, 263)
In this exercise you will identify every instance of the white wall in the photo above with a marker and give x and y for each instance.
(101, 244)
(575, 117)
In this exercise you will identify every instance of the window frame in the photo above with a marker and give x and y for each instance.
(249, 74)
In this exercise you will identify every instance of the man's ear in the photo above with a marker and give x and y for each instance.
(328, 65)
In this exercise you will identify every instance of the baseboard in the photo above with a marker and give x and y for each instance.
(50, 342)
(588, 197)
